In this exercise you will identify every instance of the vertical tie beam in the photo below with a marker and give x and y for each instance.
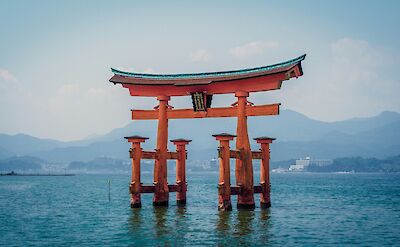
(244, 166)
(135, 155)
(181, 170)
(265, 196)
(160, 168)
(224, 185)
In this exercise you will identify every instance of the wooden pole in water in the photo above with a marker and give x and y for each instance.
(136, 155)
(224, 183)
(265, 196)
(161, 194)
(244, 166)
(181, 170)
(109, 190)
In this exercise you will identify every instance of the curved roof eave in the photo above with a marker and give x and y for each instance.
(206, 75)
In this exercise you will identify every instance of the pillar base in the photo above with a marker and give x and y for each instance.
(225, 207)
(160, 204)
(181, 202)
(246, 206)
(136, 205)
(265, 204)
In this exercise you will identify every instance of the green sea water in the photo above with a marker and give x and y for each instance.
(307, 210)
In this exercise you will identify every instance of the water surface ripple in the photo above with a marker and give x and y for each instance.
(308, 210)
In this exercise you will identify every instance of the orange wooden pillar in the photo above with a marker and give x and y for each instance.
(244, 167)
(160, 168)
(135, 155)
(265, 196)
(224, 184)
(181, 170)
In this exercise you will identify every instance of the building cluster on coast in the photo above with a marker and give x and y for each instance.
(302, 164)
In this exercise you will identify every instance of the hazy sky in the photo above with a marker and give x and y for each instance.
(55, 57)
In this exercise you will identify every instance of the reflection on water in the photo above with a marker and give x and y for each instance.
(243, 223)
(135, 220)
(223, 223)
(167, 224)
(265, 225)
(174, 226)
(264, 216)
(243, 227)
(160, 221)
(180, 212)
(200, 223)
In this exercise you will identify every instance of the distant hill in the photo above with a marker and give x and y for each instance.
(4, 153)
(100, 164)
(117, 149)
(21, 164)
(297, 136)
(379, 142)
(359, 164)
(21, 144)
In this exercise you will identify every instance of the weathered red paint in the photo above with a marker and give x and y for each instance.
(253, 84)
(244, 165)
(224, 184)
(161, 194)
(135, 155)
(181, 170)
(265, 196)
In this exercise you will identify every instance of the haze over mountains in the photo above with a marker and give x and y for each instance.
(297, 136)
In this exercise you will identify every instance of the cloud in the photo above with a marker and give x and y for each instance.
(253, 48)
(69, 90)
(355, 61)
(354, 79)
(6, 75)
(96, 93)
(149, 71)
(9, 87)
(201, 55)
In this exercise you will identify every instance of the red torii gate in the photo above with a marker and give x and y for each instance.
(201, 86)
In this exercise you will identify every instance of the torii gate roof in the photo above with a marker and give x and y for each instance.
(251, 80)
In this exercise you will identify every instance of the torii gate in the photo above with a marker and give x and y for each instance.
(201, 87)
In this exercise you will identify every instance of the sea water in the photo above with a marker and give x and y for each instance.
(308, 209)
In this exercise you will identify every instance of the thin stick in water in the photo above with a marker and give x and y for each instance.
(109, 190)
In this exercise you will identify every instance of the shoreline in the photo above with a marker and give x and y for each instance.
(36, 174)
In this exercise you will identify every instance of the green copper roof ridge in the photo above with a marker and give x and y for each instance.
(208, 74)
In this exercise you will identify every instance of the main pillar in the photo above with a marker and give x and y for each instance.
(135, 155)
(224, 184)
(244, 167)
(181, 170)
(265, 196)
(160, 168)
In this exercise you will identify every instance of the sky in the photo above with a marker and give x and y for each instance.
(55, 57)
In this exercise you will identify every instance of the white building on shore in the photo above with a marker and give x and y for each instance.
(302, 164)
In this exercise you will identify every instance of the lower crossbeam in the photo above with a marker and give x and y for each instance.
(237, 190)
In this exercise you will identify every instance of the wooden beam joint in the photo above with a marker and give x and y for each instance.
(256, 155)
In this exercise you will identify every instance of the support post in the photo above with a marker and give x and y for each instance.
(224, 184)
(181, 170)
(265, 195)
(244, 166)
(161, 195)
(135, 155)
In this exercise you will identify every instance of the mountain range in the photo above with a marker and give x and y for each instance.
(297, 136)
